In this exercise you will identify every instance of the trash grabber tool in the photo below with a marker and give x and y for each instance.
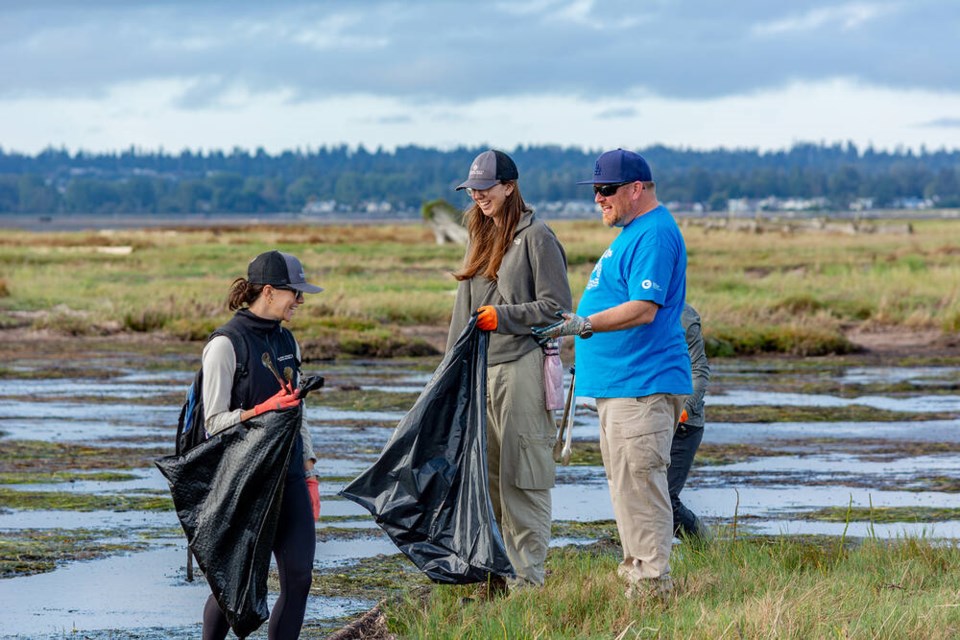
(268, 363)
(567, 408)
(568, 443)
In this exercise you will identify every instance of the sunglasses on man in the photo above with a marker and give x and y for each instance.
(607, 190)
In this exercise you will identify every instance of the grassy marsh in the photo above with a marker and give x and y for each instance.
(798, 294)
(745, 588)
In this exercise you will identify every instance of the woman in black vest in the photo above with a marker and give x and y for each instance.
(237, 391)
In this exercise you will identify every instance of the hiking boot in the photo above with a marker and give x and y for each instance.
(515, 585)
(660, 588)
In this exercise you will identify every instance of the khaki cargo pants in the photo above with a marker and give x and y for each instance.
(635, 438)
(520, 437)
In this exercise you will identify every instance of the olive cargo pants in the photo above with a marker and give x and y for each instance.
(520, 437)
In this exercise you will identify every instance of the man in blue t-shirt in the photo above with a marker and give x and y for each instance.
(631, 355)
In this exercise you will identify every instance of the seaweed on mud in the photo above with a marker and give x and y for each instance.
(365, 399)
(722, 454)
(326, 534)
(31, 551)
(596, 530)
(53, 477)
(67, 501)
(870, 449)
(371, 578)
(588, 454)
(944, 484)
(38, 456)
(774, 414)
(881, 515)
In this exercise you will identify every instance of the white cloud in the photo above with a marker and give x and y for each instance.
(847, 17)
(146, 115)
(331, 34)
(556, 71)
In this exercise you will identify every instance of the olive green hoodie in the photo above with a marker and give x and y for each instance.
(531, 288)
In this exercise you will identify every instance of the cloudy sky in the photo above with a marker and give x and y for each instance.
(107, 74)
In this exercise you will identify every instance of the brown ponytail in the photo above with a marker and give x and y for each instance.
(242, 294)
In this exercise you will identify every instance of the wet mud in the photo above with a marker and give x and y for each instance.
(818, 447)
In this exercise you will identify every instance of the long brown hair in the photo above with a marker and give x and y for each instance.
(489, 241)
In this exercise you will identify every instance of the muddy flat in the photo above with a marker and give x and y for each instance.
(789, 444)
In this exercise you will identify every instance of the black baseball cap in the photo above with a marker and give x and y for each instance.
(488, 169)
(279, 269)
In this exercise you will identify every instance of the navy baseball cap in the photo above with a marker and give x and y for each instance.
(618, 166)
(488, 169)
(279, 269)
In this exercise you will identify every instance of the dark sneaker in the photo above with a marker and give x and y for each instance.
(702, 530)
(495, 587)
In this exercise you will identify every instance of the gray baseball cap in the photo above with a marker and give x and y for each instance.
(279, 269)
(488, 169)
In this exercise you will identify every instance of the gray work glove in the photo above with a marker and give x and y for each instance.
(570, 325)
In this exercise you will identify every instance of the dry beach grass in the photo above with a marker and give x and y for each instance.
(389, 289)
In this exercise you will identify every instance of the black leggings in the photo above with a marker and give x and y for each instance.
(293, 548)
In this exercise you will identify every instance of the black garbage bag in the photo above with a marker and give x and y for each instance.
(227, 492)
(429, 488)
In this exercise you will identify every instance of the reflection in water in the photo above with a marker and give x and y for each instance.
(144, 591)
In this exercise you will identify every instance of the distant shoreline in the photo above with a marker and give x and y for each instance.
(127, 221)
(61, 222)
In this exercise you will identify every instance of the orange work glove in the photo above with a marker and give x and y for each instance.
(282, 399)
(683, 416)
(313, 488)
(487, 320)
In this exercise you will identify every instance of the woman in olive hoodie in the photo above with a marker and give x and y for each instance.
(515, 275)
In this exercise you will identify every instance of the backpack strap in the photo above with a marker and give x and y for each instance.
(239, 348)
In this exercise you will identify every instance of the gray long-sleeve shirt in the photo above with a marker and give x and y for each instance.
(531, 288)
(690, 320)
(219, 366)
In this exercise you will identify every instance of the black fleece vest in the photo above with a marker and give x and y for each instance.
(263, 336)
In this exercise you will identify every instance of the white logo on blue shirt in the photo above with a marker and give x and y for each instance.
(594, 281)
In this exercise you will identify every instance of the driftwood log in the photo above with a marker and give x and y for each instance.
(370, 626)
(444, 220)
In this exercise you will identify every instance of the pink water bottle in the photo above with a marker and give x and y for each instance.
(552, 375)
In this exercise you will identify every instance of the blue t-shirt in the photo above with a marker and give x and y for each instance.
(647, 261)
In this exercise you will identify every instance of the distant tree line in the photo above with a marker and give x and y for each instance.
(136, 181)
